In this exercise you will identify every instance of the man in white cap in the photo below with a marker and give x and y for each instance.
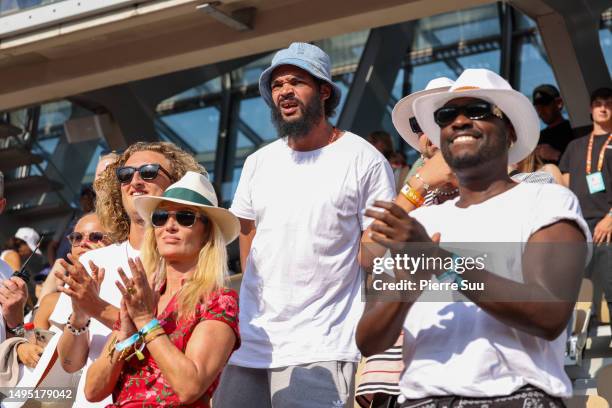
(301, 203)
(504, 343)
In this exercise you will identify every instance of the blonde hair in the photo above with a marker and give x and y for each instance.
(109, 206)
(209, 276)
(529, 164)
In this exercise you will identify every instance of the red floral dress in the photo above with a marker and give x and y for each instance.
(141, 383)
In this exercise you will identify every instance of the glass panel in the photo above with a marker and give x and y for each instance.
(52, 118)
(534, 68)
(249, 74)
(196, 93)
(88, 178)
(14, 6)
(256, 115)
(344, 50)
(523, 21)
(198, 128)
(422, 74)
(457, 26)
(605, 37)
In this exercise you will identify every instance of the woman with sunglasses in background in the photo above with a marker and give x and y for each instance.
(88, 234)
(178, 325)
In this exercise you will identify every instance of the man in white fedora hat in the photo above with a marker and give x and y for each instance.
(301, 203)
(503, 344)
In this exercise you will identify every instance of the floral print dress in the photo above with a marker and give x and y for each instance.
(141, 383)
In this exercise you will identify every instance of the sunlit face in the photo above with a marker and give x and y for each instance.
(469, 142)
(137, 186)
(177, 242)
(298, 101)
(86, 225)
(601, 110)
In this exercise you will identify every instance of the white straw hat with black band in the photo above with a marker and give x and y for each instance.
(488, 86)
(402, 112)
(193, 189)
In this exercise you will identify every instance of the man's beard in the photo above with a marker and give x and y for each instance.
(298, 128)
(488, 152)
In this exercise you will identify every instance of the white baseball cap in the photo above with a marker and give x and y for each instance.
(30, 237)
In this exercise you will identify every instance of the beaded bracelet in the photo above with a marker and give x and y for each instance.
(74, 330)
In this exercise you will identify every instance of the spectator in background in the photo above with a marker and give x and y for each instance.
(87, 202)
(60, 247)
(400, 168)
(558, 132)
(88, 234)
(24, 245)
(381, 140)
(587, 170)
(104, 161)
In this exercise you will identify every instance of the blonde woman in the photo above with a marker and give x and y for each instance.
(178, 325)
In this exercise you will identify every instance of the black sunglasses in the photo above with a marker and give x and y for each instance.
(185, 218)
(414, 125)
(76, 238)
(146, 171)
(474, 111)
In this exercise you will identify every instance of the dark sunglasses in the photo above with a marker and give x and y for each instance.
(474, 111)
(76, 238)
(185, 218)
(146, 171)
(414, 125)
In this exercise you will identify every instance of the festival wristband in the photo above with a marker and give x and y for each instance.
(130, 341)
(412, 195)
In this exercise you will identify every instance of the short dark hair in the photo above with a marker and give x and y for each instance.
(601, 93)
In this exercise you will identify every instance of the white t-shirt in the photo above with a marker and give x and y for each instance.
(300, 296)
(110, 258)
(459, 349)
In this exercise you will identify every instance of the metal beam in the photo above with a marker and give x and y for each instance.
(369, 94)
(570, 33)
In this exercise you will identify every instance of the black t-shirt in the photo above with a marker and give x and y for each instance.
(558, 136)
(594, 206)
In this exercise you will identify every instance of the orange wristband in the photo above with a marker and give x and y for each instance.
(412, 195)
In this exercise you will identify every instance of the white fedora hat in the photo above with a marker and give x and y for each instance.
(486, 85)
(193, 189)
(402, 112)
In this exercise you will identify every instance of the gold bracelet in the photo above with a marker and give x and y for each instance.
(153, 335)
(111, 348)
(412, 195)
